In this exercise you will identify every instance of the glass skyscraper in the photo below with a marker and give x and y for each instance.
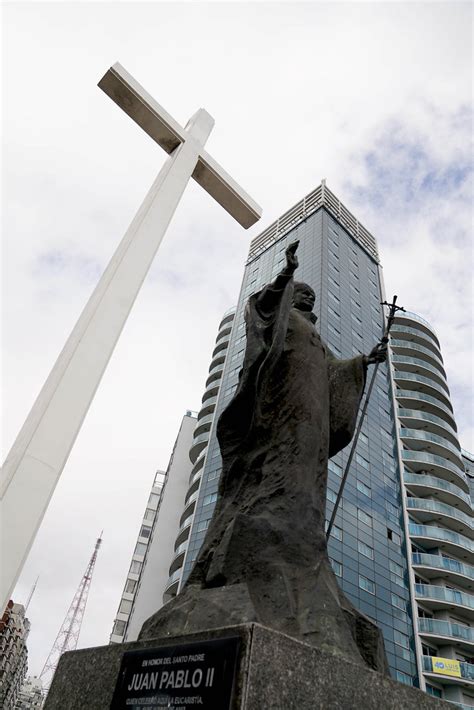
(338, 257)
(406, 506)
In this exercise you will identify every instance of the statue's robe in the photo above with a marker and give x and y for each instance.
(265, 550)
(295, 406)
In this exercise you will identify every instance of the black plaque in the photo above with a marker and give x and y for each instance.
(180, 677)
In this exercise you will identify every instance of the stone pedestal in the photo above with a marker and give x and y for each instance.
(273, 672)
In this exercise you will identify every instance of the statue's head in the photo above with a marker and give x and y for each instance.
(303, 297)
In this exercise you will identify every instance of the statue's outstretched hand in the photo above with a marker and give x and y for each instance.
(377, 354)
(291, 258)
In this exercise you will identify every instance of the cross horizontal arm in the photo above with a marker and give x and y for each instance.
(142, 108)
(127, 93)
(219, 184)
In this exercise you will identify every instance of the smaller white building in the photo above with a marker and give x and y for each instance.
(148, 574)
(31, 695)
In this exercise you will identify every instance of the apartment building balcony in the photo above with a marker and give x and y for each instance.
(436, 598)
(447, 633)
(204, 424)
(221, 346)
(215, 373)
(466, 670)
(412, 399)
(447, 541)
(420, 440)
(425, 485)
(401, 346)
(423, 462)
(199, 444)
(427, 510)
(172, 584)
(208, 406)
(196, 471)
(419, 419)
(411, 334)
(178, 557)
(423, 384)
(458, 573)
(419, 366)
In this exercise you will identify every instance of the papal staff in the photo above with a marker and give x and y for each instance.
(393, 308)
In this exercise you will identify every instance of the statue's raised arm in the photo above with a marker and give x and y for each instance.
(272, 293)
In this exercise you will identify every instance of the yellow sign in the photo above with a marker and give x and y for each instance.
(446, 666)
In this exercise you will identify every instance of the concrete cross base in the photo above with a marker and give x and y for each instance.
(273, 672)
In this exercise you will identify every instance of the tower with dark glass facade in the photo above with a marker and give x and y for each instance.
(338, 257)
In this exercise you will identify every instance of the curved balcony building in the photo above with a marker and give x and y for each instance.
(198, 452)
(439, 511)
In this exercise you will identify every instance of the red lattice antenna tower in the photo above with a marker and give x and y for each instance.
(68, 635)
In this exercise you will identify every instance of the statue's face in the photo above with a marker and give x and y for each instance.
(303, 297)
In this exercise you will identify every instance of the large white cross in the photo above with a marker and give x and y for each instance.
(37, 458)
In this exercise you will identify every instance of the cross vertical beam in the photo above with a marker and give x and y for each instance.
(38, 455)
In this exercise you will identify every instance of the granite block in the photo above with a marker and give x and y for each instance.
(275, 672)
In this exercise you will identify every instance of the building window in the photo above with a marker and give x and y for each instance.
(333, 329)
(336, 532)
(125, 606)
(388, 461)
(394, 537)
(140, 548)
(335, 350)
(392, 510)
(149, 514)
(334, 313)
(396, 573)
(334, 297)
(145, 531)
(203, 525)
(130, 586)
(362, 462)
(332, 497)
(119, 628)
(362, 488)
(364, 517)
(337, 568)
(431, 690)
(398, 602)
(401, 639)
(365, 550)
(153, 500)
(335, 468)
(366, 584)
(210, 499)
(364, 438)
(136, 567)
(404, 678)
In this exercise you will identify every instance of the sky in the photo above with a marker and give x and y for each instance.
(374, 97)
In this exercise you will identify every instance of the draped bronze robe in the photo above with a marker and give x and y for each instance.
(295, 406)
